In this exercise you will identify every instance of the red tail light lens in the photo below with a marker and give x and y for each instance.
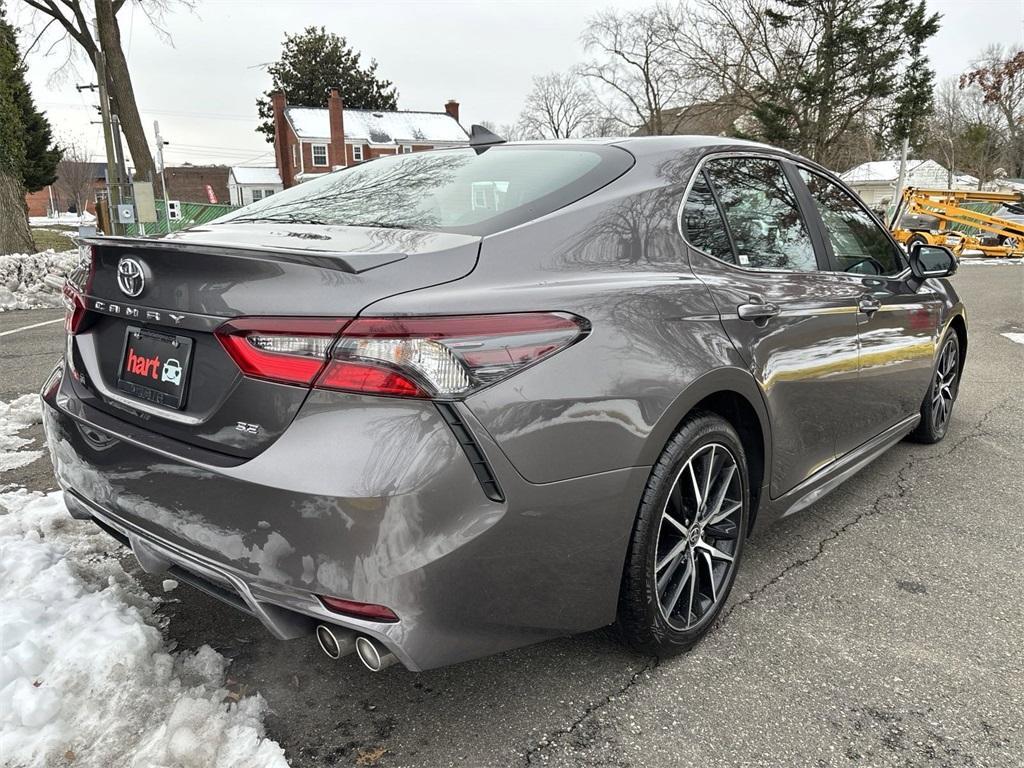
(74, 306)
(367, 611)
(443, 357)
(77, 284)
(287, 350)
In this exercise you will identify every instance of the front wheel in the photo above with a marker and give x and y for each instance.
(687, 539)
(937, 408)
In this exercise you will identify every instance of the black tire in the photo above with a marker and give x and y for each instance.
(937, 408)
(643, 623)
(913, 239)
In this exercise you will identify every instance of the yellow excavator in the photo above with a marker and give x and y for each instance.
(942, 217)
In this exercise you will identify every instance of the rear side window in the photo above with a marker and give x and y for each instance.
(858, 243)
(762, 214)
(702, 223)
(456, 190)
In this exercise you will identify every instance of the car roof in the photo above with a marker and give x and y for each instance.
(643, 145)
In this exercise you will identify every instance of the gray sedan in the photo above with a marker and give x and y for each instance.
(444, 404)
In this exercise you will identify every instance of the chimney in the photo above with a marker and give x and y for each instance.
(282, 149)
(336, 117)
(452, 108)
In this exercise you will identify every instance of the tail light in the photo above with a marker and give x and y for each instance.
(442, 357)
(288, 350)
(77, 284)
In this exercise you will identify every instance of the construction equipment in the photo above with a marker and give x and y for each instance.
(942, 217)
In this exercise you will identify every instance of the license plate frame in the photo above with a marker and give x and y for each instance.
(164, 388)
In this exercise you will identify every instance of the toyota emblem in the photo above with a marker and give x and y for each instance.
(130, 277)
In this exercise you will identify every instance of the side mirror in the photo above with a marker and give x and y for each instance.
(931, 261)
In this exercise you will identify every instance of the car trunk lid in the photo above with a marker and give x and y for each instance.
(194, 282)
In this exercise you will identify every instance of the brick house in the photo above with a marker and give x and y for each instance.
(310, 140)
(196, 183)
(53, 197)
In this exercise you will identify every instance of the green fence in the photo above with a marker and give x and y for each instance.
(191, 214)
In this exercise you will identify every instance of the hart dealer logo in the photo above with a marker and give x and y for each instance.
(142, 366)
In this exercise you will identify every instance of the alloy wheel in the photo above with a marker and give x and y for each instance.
(698, 536)
(944, 389)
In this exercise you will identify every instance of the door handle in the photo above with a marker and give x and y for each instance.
(868, 304)
(757, 310)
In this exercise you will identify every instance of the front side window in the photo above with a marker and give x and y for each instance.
(320, 154)
(761, 210)
(257, 194)
(452, 190)
(357, 153)
(702, 223)
(859, 244)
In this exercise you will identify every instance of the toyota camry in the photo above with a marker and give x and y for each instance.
(444, 404)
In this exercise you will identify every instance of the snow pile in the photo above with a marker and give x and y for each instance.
(22, 283)
(85, 675)
(14, 417)
(61, 218)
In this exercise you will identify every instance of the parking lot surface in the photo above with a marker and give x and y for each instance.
(882, 626)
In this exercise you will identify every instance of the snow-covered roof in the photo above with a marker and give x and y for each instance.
(378, 127)
(245, 174)
(882, 171)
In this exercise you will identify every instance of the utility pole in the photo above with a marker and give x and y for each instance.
(113, 180)
(163, 181)
(901, 179)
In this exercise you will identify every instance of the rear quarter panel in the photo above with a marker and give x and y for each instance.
(615, 258)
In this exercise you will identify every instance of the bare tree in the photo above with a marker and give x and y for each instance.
(560, 106)
(89, 28)
(998, 76)
(76, 175)
(637, 74)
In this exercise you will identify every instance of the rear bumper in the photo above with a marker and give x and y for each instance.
(369, 499)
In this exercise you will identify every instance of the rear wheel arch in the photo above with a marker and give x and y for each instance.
(732, 394)
(959, 325)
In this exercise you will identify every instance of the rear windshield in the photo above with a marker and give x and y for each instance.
(453, 190)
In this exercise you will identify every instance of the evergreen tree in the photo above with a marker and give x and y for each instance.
(315, 61)
(866, 55)
(15, 139)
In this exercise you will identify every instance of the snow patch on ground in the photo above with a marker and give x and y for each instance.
(1007, 262)
(1017, 337)
(86, 677)
(15, 416)
(22, 284)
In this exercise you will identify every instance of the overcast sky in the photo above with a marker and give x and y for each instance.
(203, 87)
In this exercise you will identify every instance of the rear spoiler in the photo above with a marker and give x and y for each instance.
(341, 261)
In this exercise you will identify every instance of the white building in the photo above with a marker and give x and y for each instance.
(249, 184)
(875, 182)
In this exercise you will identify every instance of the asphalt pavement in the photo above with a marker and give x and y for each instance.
(882, 626)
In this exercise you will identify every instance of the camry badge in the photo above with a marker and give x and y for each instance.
(130, 277)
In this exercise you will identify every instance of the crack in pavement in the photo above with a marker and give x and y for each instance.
(552, 740)
(903, 488)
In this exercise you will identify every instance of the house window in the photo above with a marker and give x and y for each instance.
(295, 155)
(357, 153)
(257, 194)
(268, 192)
(320, 155)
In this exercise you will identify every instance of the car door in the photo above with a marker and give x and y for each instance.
(794, 324)
(896, 324)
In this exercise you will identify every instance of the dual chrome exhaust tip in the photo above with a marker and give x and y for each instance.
(337, 642)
